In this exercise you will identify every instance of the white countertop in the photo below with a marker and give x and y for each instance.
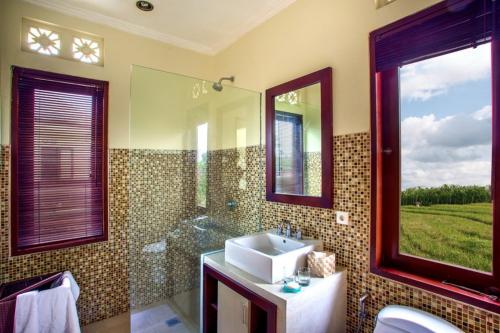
(272, 291)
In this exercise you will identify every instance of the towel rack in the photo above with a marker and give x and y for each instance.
(10, 290)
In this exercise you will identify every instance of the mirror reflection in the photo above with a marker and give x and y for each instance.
(297, 150)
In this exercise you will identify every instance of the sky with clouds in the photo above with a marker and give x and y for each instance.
(446, 120)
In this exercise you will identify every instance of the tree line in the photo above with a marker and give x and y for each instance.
(445, 194)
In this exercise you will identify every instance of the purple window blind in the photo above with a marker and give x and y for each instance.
(59, 183)
(443, 28)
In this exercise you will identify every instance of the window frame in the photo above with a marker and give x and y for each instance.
(385, 259)
(15, 249)
(324, 78)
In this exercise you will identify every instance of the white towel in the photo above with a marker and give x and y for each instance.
(49, 311)
(69, 279)
(26, 319)
(57, 310)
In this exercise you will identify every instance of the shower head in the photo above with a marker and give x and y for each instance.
(217, 86)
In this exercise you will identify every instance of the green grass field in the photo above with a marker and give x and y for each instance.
(457, 234)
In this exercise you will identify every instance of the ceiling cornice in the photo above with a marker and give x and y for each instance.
(70, 10)
(122, 25)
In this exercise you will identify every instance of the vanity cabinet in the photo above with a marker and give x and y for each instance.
(233, 311)
(237, 301)
(229, 307)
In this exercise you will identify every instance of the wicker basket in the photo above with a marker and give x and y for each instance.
(322, 264)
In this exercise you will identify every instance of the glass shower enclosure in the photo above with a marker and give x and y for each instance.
(195, 171)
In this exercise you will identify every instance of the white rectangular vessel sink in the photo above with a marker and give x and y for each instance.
(269, 256)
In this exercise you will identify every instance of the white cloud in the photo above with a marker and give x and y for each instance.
(451, 150)
(483, 113)
(432, 77)
(436, 174)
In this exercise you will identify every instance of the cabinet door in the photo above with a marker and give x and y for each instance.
(233, 312)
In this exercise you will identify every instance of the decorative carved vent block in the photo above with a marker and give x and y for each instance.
(55, 41)
(44, 41)
(86, 50)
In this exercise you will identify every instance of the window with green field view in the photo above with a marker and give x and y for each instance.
(446, 147)
(201, 165)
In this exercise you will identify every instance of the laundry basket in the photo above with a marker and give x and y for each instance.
(10, 290)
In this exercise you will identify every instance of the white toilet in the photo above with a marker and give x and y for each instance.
(404, 319)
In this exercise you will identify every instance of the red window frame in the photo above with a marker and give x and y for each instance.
(73, 84)
(324, 77)
(385, 258)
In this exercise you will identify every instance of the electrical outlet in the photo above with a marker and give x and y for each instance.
(342, 217)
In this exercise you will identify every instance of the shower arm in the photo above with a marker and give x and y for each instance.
(227, 78)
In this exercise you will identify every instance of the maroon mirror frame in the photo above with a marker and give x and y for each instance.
(324, 78)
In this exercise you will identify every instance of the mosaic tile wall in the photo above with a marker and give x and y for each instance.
(351, 243)
(99, 268)
(234, 176)
(162, 195)
(164, 246)
(312, 174)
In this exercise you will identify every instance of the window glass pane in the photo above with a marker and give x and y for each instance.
(446, 131)
(201, 165)
(297, 136)
(289, 153)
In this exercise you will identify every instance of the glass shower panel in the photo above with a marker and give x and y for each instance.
(195, 180)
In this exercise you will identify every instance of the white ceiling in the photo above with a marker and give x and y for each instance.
(205, 26)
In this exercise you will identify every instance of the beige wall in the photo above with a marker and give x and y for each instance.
(121, 50)
(310, 35)
(158, 109)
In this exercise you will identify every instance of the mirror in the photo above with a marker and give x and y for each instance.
(299, 140)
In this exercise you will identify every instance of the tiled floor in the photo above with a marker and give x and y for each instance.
(157, 318)
(187, 306)
(177, 315)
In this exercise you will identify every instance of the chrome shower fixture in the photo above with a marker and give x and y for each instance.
(217, 86)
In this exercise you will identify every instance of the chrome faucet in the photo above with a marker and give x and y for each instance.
(279, 229)
(288, 231)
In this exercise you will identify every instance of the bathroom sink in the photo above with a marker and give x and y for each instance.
(269, 256)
